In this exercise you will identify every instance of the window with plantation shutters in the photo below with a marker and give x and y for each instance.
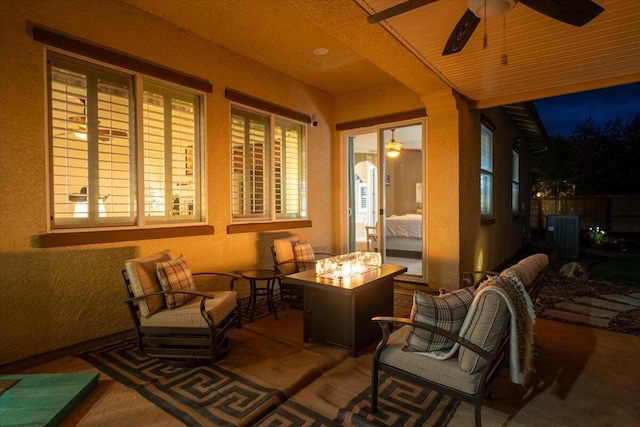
(268, 167)
(249, 153)
(91, 148)
(290, 173)
(94, 151)
(170, 154)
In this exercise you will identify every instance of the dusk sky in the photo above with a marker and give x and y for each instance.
(561, 114)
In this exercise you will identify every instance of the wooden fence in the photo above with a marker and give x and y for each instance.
(614, 214)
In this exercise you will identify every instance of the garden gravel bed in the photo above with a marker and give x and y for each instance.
(556, 288)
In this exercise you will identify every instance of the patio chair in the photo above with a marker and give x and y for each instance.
(292, 256)
(455, 343)
(172, 319)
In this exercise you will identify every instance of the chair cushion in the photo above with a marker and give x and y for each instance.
(175, 275)
(284, 253)
(445, 372)
(188, 315)
(305, 258)
(446, 311)
(144, 279)
(527, 269)
(483, 327)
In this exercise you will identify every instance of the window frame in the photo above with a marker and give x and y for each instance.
(486, 128)
(138, 221)
(270, 214)
(515, 182)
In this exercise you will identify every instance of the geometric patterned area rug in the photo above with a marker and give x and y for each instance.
(195, 395)
(296, 384)
(212, 396)
(342, 397)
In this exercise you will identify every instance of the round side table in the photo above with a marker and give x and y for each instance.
(269, 278)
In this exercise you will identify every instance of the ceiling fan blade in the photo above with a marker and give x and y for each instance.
(574, 12)
(397, 10)
(461, 33)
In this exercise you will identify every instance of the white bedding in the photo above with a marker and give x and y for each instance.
(409, 225)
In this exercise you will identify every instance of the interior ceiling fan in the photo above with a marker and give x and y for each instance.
(104, 134)
(573, 12)
(78, 125)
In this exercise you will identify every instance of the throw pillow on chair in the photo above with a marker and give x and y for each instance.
(446, 311)
(175, 275)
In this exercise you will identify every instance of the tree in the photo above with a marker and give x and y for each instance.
(606, 159)
(597, 160)
(552, 170)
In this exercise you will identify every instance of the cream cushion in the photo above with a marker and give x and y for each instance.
(188, 315)
(483, 327)
(445, 372)
(285, 255)
(144, 279)
(527, 269)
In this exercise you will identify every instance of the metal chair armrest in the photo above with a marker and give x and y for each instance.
(386, 321)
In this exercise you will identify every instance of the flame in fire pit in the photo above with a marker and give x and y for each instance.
(348, 265)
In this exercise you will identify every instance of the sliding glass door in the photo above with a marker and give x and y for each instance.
(385, 192)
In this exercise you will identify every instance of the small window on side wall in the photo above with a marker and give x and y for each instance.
(515, 182)
(486, 171)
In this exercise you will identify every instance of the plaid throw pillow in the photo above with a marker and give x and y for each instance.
(175, 275)
(444, 311)
(305, 258)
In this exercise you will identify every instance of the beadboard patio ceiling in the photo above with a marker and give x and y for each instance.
(545, 57)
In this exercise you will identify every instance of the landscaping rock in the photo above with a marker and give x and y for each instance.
(587, 290)
(573, 270)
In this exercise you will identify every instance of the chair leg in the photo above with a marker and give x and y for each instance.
(479, 414)
(374, 388)
(270, 303)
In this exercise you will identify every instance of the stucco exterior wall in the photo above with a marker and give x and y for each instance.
(443, 200)
(376, 101)
(488, 245)
(58, 297)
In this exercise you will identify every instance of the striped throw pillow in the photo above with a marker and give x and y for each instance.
(446, 311)
(305, 257)
(175, 275)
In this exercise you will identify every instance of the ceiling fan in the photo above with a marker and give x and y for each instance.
(573, 12)
(394, 148)
(104, 134)
(78, 126)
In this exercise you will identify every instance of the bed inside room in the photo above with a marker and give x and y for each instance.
(404, 235)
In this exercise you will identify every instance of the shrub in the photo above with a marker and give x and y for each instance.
(597, 237)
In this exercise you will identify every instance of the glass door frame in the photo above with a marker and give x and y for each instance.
(347, 220)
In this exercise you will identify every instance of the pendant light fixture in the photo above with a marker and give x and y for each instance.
(393, 147)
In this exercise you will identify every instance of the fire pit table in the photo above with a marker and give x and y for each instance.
(338, 309)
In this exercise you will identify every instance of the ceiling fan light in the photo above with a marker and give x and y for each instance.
(490, 8)
(393, 148)
(392, 154)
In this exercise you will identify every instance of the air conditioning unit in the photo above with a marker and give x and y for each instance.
(563, 235)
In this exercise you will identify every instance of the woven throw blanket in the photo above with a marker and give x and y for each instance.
(522, 320)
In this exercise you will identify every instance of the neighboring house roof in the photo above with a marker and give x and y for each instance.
(525, 117)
